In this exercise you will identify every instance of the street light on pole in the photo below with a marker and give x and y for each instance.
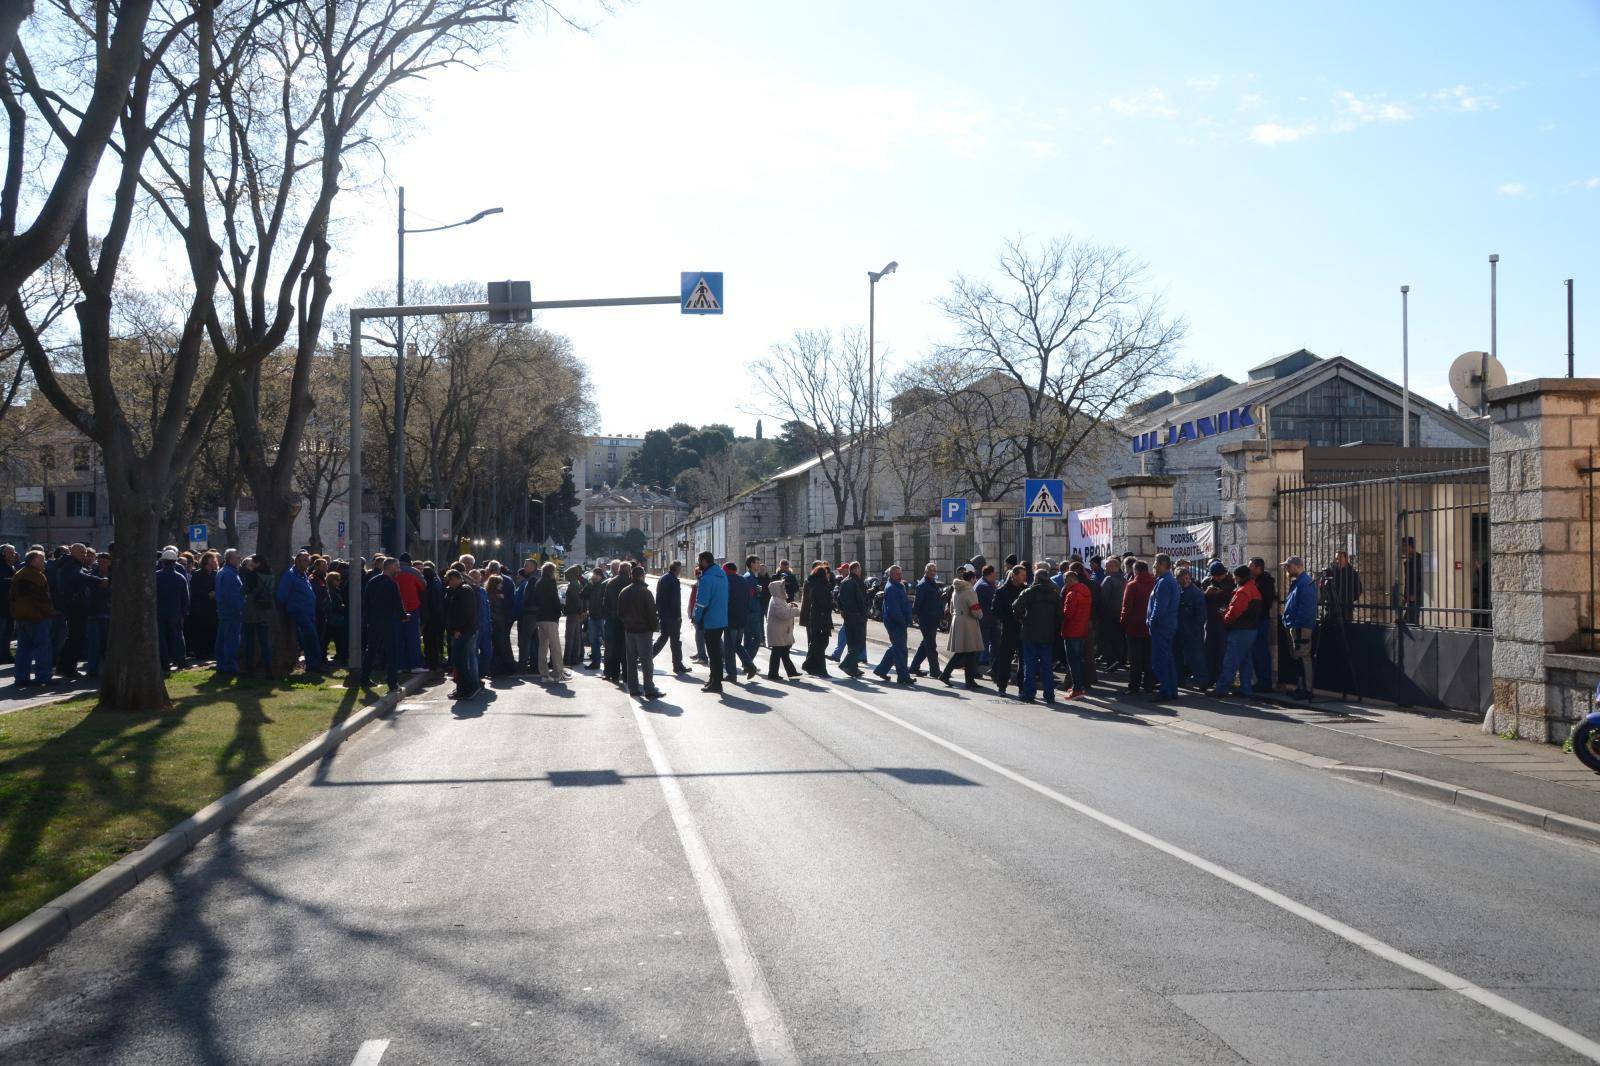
(400, 360)
(1405, 366)
(1494, 347)
(873, 277)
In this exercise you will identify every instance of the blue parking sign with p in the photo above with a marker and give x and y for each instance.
(953, 509)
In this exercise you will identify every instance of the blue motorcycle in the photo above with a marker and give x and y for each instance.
(1586, 741)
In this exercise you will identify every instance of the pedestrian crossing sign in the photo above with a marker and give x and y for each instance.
(702, 292)
(1043, 498)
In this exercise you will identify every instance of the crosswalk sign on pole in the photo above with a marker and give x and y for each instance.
(1043, 498)
(701, 292)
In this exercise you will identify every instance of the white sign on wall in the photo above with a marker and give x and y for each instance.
(1197, 541)
(1089, 531)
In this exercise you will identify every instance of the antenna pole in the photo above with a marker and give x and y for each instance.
(1494, 352)
(1569, 327)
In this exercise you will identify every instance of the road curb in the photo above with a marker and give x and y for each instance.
(26, 940)
(1471, 799)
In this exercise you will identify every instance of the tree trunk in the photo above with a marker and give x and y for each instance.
(276, 509)
(132, 678)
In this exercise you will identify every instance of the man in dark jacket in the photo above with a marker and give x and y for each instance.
(575, 610)
(853, 612)
(594, 601)
(637, 611)
(1109, 637)
(434, 648)
(1218, 591)
(929, 610)
(1009, 643)
(733, 644)
(31, 608)
(98, 582)
(172, 607)
(384, 612)
(1266, 645)
(543, 603)
(669, 611)
(616, 650)
(1038, 613)
(461, 626)
(986, 588)
(897, 620)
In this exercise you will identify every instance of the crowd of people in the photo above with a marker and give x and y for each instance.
(1168, 623)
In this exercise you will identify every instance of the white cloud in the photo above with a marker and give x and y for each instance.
(1592, 183)
(1273, 133)
(1463, 98)
(1251, 101)
(1148, 102)
(1206, 84)
(1040, 149)
(1362, 111)
(1511, 188)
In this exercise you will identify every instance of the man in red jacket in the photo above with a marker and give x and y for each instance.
(1135, 600)
(1074, 628)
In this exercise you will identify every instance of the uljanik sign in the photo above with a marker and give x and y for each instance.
(1204, 426)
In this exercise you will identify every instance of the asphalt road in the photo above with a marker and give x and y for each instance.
(827, 872)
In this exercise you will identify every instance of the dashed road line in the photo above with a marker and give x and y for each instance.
(1538, 1023)
(370, 1053)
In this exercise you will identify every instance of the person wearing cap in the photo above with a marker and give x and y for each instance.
(172, 607)
(1300, 621)
(1218, 588)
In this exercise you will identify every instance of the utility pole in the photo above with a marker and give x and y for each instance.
(1405, 366)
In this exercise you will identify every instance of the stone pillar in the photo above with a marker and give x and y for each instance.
(1138, 501)
(1542, 433)
(905, 530)
(1248, 512)
(874, 558)
(985, 526)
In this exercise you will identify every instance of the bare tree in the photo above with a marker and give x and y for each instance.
(907, 453)
(322, 464)
(89, 53)
(819, 380)
(1046, 354)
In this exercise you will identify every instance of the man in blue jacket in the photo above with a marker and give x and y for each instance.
(1190, 648)
(711, 614)
(1161, 615)
(896, 619)
(755, 617)
(1300, 619)
(172, 607)
(669, 612)
(230, 613)
(929, 611)
(297, 600)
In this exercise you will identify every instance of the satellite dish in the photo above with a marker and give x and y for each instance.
(1472, 375)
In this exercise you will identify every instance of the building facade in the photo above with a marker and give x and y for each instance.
(613, 511)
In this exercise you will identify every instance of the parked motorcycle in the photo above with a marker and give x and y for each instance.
(1586, 741)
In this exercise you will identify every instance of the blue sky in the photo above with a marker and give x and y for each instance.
(1282, 173)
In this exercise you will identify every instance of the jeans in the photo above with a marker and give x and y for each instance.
(464, 660)
(1074, 649)
(1161, 662)
(1266, 633)
(640, 674)
(895, 656)
(597, 633)
(1036, 669)
(838, 644)
(36, 652)
(1236, 659)
(928, 650)
(700, 643)
(577, 629)
(227, 649)
(528, 643)
(714, 650)
(1189, 651)
(671, 633)
(734, 653)
(305, 630)
(169, 632)
(94, 644)
(410, 642)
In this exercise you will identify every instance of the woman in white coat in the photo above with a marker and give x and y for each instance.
(781, 615)
(966, 636)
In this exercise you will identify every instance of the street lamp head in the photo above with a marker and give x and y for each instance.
(485, 214)
(1405, 289)
(879, 275)
(1494, 257)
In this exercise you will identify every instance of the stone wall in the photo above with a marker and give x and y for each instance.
(1542, 435)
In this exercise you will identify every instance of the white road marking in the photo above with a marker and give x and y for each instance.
(1546, 1027)
(768, 1034)
(370, 1053)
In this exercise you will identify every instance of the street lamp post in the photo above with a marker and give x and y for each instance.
(400, 360)
(1405, 366)
(873, 277)
(1494, 346)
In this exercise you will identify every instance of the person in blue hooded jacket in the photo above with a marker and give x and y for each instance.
(297, 599)
(230, 613)
(1161, 616)
(897, 620)
(1300, 619)
(711, 614)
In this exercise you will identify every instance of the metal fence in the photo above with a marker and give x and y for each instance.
(1420, 542)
